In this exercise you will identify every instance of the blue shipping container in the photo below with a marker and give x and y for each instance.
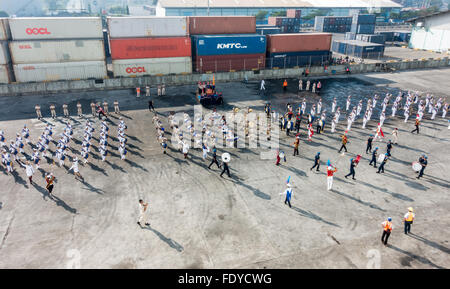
(228, 44)
(364, 19)
(268, 30)
(292, 59)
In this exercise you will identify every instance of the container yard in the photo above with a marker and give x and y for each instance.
(60, 71)
(222, 25)
(133, 27)
(47, 51)
(56, 28)
(161, 47)
(333, 24)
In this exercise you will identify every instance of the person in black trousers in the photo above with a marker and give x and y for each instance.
(214, 159)
(389, 147)
(225, 168)
(417, 126)
(369, 144)
(374, 158)
(316, 162)
(352, 169)
(150, 106)
(424, 162)
(381, 167)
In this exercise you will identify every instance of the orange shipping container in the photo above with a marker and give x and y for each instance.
(222, 25)
(161, 47)
(298, 42)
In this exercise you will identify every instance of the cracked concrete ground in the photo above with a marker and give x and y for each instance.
(200, 220)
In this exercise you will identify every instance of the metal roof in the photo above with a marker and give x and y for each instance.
(278, 3)
(428, 16)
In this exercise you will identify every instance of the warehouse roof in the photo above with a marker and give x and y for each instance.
(278, 3)
(428, 16)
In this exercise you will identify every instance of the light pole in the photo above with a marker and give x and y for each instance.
(208, 7)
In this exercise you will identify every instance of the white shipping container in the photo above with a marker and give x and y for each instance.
(4, 74)
(132, 27)
(55, 28)
(4, 53)
(59, 71)
(151, 66)
(48, 51)
(4, 29)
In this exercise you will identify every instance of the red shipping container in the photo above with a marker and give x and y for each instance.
(298, 42)
(293, 13)
(161, 47)
(221, 25)
(225, 63)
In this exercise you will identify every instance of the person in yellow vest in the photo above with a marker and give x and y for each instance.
(387, 229)
(409, 219)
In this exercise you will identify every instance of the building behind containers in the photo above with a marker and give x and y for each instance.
(148, 45)
(57, 48)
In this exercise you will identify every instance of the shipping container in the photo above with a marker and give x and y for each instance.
(49, 51)
(373, 38)
(293, 59)
(402, 36)
(228, 44)
(363, 28)
(5, 57)
(225, 63)
(5, 74)
(332, 24)
(134, 27)
(5, 33)
(388, 35)
(364, 19)
(358, 48)
(56, 28)
(298, 42)
(350, 36)
(278, 21)
(161, 47)
(221, 24)
(268, 30)
(60, 71)
(293, 13)
(151, 66)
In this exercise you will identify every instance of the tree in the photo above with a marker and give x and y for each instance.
(279, 13)
(3, 14)
(261, 15)
(317, 12)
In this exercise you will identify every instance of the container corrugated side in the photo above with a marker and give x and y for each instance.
(152, 66)
(292, 59)
(5, 57)
(4, 29)
(131, 27)
(225, 63)
(229, 44)
(60, 71)
(5, 74)
(160, 47)
(221, 24)
(298, 42)
(49, 51)
(56, 28)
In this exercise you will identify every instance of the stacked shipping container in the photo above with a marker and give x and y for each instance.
(363, 24)
(222, 44)
(149, 45)
(372, 38)
(286, 24)
(290, 50)
(358, 48)
(5, 60)
(333, 24)
(63, 48)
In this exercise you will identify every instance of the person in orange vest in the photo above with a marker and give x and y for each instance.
(138, 91)
(387, 229)
(417, 126)
(285, 84)
(409, 219)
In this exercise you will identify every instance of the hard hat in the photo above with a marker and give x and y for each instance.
(389, 219)
(410, 209)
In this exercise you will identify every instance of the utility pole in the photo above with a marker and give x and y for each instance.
(208, 7)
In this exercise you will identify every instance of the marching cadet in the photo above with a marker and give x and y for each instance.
(19, 143)
(381, 167)
(29, 170)
(395, 135)
(85, 154)
(79, 109)
(35, 157)
(122, 151)
(52, 110)
(65, 110)
(348, 103)
(288, 192)
(316, 162)
(387, 229)
(38, 111)
(352, 169)
(333, 106)
(105, 107)
(116, 107)
(444, 110)
(6, 159)
(75, 169)
(103, 152)
(93, 109)
(13, 150)
(308, 83)
(330, 172)
(214, 158)
(374, 158)
(26, 134)
(2, 139)
(408, 219)
(143, 213)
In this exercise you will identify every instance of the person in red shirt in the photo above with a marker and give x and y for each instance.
(330, 171)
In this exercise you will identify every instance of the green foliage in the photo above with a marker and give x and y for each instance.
(318, 12)
(118, 10)
(279, 14)
(3, 14)
(261, 15)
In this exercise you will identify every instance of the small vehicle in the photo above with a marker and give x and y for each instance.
(211, 97)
